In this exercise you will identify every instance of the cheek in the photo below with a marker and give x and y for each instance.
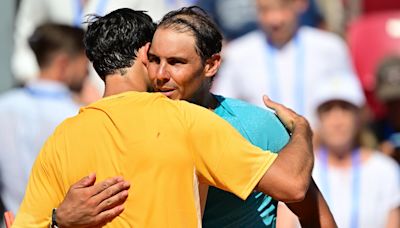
(151, 69)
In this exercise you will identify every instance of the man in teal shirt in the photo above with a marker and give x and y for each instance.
(225, 209)
(183, 59)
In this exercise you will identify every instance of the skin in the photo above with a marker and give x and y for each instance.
(70, 70)
(338, 129)
(77, 72)
(338, 126)
(278, 19)
(176, 70)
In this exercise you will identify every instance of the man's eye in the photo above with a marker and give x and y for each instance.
(154, 59)
(174, 61)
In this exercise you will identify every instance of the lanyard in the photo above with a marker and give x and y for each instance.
(355, 190)
(46, 94)
(274, 88)
(78, 11)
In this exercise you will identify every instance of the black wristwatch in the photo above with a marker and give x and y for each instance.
(53, 223)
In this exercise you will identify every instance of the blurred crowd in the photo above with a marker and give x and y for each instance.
(335, 62)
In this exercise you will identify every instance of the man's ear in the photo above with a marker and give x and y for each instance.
(62, 62)
(212, 65)
(142, 54)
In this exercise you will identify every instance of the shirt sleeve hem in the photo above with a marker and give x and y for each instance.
(256, 179)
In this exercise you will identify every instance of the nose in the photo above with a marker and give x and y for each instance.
(162, 75)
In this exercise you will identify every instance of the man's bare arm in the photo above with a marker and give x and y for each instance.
(92, 205)
(313, 211)
(289, 176)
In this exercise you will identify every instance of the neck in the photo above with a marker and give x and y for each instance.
(205, 99)
(132, 80)
(340, 157)
(279, 43)
(50, 74)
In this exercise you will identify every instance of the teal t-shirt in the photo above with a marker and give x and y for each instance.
(263, 129)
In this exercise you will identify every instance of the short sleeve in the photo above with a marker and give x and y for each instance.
(223, 158)
(44, 190)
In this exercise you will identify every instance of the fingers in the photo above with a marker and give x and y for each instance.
(269, 103)
(101, 186)
(108, 193)
(108, 215)
(286, 115)
(115, 200)
(85, 182)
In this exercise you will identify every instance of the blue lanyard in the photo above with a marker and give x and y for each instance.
(78, 11)
(274, 89)
(355, 191)
(46, 94)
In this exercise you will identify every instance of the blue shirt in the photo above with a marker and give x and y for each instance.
(263, 129)
(28, 116)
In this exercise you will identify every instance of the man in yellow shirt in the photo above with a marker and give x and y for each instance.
(162, 145)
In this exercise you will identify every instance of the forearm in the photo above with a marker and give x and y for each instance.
(299, 152)
(288, 178)
(313, 211)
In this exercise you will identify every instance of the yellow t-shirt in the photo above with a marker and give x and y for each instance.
(158, 145)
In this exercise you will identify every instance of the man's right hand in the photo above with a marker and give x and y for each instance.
(288, 117)
(92, 205)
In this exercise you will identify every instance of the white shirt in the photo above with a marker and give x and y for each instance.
(28, 116)
(379, 191)
(246, 69)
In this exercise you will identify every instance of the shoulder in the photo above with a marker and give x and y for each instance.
(244, 108)
(261, 125)
(321, 38)
(384, 163)
(12, 96)
(14, 102)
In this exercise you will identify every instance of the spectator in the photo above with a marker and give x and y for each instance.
(362, 186)
(387, 130)
(281, 59)
(30, 114)
(71, 12)
(245, 16)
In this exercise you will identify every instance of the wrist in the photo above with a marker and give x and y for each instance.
(54, 223)
(58, 216)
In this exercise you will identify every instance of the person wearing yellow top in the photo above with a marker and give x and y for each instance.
(160, 145)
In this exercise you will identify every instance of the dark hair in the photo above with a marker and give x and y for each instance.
(50, 38)
(112, 41)
(196, 21)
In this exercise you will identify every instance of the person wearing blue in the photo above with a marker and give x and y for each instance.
(30, 114)
(258, 210)
(183, 59)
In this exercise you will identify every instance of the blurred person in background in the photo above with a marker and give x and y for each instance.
(32, 13)
(184, 47)
(362, 186)
(235, 18)
(29, 115)
(281, 59)
(387, 90)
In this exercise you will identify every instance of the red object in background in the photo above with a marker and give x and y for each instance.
(371, 38)
(8, 219)
(370, 6)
